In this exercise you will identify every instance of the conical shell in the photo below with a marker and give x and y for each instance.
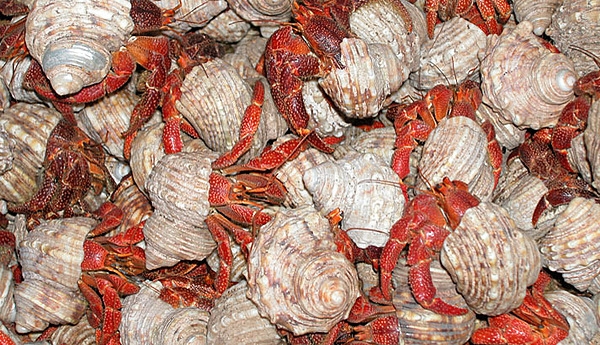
(539, 13)
(452, 55)
(295, 276)
(183, 241)
(524, 81)
(25, 128)
(291, 172)
(365, 188)
(147, 320)
(490, 260)
(444, 155)
(371, 73)
(51, 256)
(592, 143)
(81, 333)
(214, 99)
(572, 247)
(73, 40)
(576, 24)
(422, 326)
(580, 314)
(234, 319)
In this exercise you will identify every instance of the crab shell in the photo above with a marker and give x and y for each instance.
(491, 261)
(365, 188)
(572, 246)
(539, 13)
(444, 155)
(24, 131)
(524, 81)
(73, 40)
(51, 256)
(146, 319)
(234, 319)
(453, 54)
(296, 277)
(422, 326)
(576, 23)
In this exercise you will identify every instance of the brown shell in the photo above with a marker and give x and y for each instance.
(234, 319)
(147, 320)
(296, 277)
(422, 326)
(81, 333)
(572, 246)
(7, 301)
(524, 81)
(490, 260)
(25, 128)
(51, 256)
(365, 188)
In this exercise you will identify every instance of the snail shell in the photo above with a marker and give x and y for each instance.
(490, 260)
(262, 12)
(539, 13)
(580, 314)
(507, 134)
(226, 27)
(146, 319)
(234, 319)
(324, 117)
(371, 73)
(453, 54)
(576, 23)
(25, 129)
(444, 154)
(81, 333)
(51, 256)
(73, 40)
(365, 188)
(524, 81)
(572, 246)
(422, 326)
(214, 99)
(591, 138)
(291, 172)
(7, 301)
(146, 149)
(296, 277)
(12, 75)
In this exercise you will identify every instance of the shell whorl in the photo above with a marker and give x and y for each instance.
(73, 40)
(295, 275)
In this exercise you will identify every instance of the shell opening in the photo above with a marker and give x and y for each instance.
(72, 67)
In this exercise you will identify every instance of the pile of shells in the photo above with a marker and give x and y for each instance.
(316, 257)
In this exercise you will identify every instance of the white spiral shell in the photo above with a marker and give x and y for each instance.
(524, 81)
(73, 40)
(539, 13)
(296, 277)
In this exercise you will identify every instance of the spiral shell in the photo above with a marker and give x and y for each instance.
(295, 276)
(524, 81)
(507, 134)
(7, 301)
(81, 333)
(365, 188)
(576, 23)
(148, 320)
(73, 41)
(592, 143)
(214, 99)
(453, 54)
(572, 247)
(12, 75)
(178, 188)
(371, 73)
(422, 326)
(51, 256)
(146, 149)
(234, 319)
(539, 13)
(324, 117)
(262, 12)
(490, 260)
(25, 130)
(579, 312)
(444, 154)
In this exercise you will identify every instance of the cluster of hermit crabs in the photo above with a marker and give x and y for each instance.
(303, 172)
